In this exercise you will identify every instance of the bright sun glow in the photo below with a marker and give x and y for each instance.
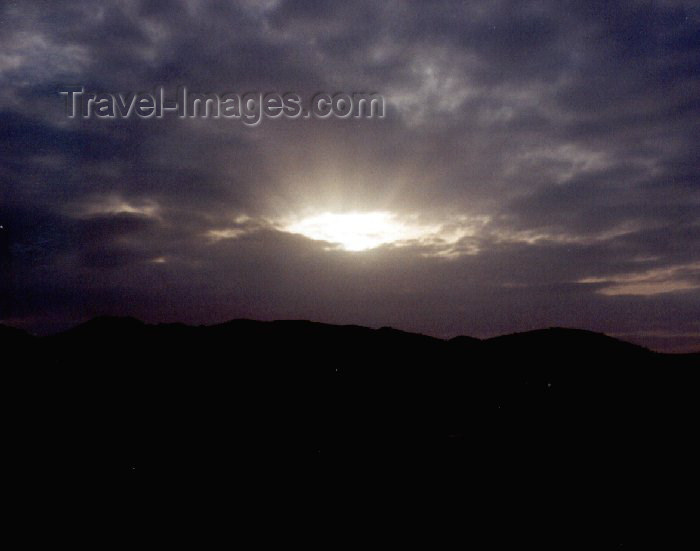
(357, 231)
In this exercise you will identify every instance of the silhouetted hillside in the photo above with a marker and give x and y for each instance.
(575, 418)
(12, 336)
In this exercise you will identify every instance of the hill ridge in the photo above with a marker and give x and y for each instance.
(105, 322)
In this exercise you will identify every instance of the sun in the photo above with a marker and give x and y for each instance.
(355, 231)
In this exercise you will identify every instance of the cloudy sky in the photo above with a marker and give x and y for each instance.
(538, 165)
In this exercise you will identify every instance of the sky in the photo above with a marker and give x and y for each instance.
(537, 165)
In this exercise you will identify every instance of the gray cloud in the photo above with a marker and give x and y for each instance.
(558, 137)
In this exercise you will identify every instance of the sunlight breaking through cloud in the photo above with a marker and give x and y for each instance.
(362, 231)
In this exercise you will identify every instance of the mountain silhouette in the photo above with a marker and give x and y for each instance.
(575, 418)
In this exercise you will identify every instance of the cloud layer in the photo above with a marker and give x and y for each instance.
(558, 140)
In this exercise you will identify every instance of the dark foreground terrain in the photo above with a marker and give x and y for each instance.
(552, 431)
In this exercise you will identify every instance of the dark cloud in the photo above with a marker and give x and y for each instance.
(557, 139)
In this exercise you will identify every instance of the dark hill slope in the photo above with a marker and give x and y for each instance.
(576, 418)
